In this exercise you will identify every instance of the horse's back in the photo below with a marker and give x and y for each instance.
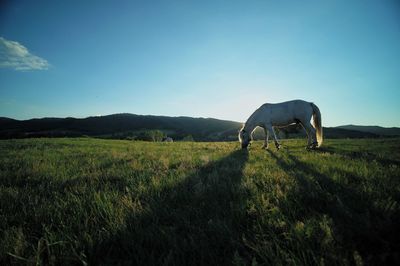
(288, 106)
(285, 112)
(287, 103)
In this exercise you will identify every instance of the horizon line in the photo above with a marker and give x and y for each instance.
(194, 117)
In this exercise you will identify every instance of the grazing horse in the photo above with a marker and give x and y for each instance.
(284, 114)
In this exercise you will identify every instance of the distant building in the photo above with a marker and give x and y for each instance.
(167, 139)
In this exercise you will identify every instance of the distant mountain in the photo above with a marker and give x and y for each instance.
(341, 133)
(120, 126)
(131, 126)
(382, 131)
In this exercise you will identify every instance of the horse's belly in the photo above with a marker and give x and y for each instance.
(285, 123)
(282, 120)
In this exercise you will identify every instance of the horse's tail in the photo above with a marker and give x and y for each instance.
(317, 123)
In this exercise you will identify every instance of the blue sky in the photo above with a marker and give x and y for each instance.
(220, 59)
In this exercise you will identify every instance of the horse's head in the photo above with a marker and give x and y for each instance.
(244, 138)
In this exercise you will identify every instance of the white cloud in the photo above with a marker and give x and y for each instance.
(16, 56)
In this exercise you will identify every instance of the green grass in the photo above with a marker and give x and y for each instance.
(91, 201)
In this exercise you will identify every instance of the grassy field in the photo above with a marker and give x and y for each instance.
(91, 201)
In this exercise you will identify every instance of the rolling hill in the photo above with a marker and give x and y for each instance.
(382, 131)
(122, 126)
(119, 126)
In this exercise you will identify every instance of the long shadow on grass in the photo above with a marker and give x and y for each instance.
(196, 220)
(359, 155)
(358, 224)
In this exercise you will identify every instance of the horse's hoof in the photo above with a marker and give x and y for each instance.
(314, 145)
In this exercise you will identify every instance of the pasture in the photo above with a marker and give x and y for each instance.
(92, 201)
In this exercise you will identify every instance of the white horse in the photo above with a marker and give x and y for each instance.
(284, 114)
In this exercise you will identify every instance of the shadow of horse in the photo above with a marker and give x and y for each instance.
(358, 225)
(358, 155)
(194, 221)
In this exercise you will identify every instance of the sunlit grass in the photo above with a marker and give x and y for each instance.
(96, 201)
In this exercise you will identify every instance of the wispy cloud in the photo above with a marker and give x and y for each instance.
(16, 56)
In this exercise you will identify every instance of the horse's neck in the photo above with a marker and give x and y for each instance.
(250, 125)
(257, 119)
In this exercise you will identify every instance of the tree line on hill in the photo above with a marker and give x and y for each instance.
(155, 128)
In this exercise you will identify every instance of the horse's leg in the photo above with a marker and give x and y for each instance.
(308, 136)
(312, 143)
(277, 145)
(265, 146)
